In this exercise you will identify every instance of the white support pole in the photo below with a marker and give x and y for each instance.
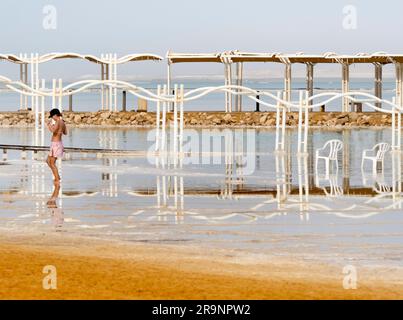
(287, 81)
(110, 105)
(393, 124)
(230, 83)
(22, 80)
(43, 87)
(239, 73)
(60, 95)
(399, 131)
(25, 80)
(278, 146)
(37, 79)
(175, 135)
(283, 123)
(378, 83)
(115, 77)
(181, 120)
(399, 84)
(345, 85)
(300, 114)
(102, 85)
(169, 80)
(306, 122)
(309, 80)
(53, 93)
(32, 67)
(164, 117)
(158, 121)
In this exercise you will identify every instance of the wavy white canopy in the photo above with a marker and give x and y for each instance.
(72, 55)
(328, 57)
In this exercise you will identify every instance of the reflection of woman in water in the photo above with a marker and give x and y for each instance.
(52, 200)
(56, 214)
(57, 217)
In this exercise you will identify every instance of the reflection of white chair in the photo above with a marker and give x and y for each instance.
(376, 155)
(335, 189)
(334, 147)
(332, 180)
(376, 182)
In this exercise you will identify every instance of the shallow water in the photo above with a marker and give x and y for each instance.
(223, 204)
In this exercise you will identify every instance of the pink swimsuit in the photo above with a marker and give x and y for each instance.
(56, 149)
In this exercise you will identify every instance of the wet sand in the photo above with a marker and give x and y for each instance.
(98, 269)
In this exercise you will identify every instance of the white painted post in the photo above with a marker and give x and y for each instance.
(345, 85)
(181, 119)
(25, 80)
(378, 83)
(306, 124)
(60, 95)
(226, 83)
(399, 84)
(230, 83)
(164, 117)
(158, 124)
(393, 124)
(32, 67)
(110, 70)
(278, 124)
(37, 80)
(287, 82)
(169, 80)
(175, 124)
(43, 88)
(53, 93)
(22, 80)
(283, 122)
(300, 107)
(102, 85)
(115, 77)
(309, 80)
(239, 70)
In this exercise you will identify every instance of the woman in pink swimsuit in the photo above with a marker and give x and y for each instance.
(56, 148)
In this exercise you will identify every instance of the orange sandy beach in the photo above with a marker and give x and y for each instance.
(96, 269)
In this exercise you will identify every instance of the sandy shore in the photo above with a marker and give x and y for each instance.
(96, 269)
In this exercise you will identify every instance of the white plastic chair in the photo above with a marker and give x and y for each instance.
(376, 155)
(334, 147)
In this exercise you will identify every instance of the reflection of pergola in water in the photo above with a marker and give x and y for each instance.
(237, 58)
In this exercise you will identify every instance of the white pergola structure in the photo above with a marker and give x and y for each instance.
(239, 58)
(108, 64)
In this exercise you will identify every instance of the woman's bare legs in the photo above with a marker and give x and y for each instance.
(51, 161)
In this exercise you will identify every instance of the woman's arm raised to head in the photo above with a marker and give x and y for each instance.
(53, 128)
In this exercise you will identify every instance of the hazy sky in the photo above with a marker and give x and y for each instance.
(124, 26)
